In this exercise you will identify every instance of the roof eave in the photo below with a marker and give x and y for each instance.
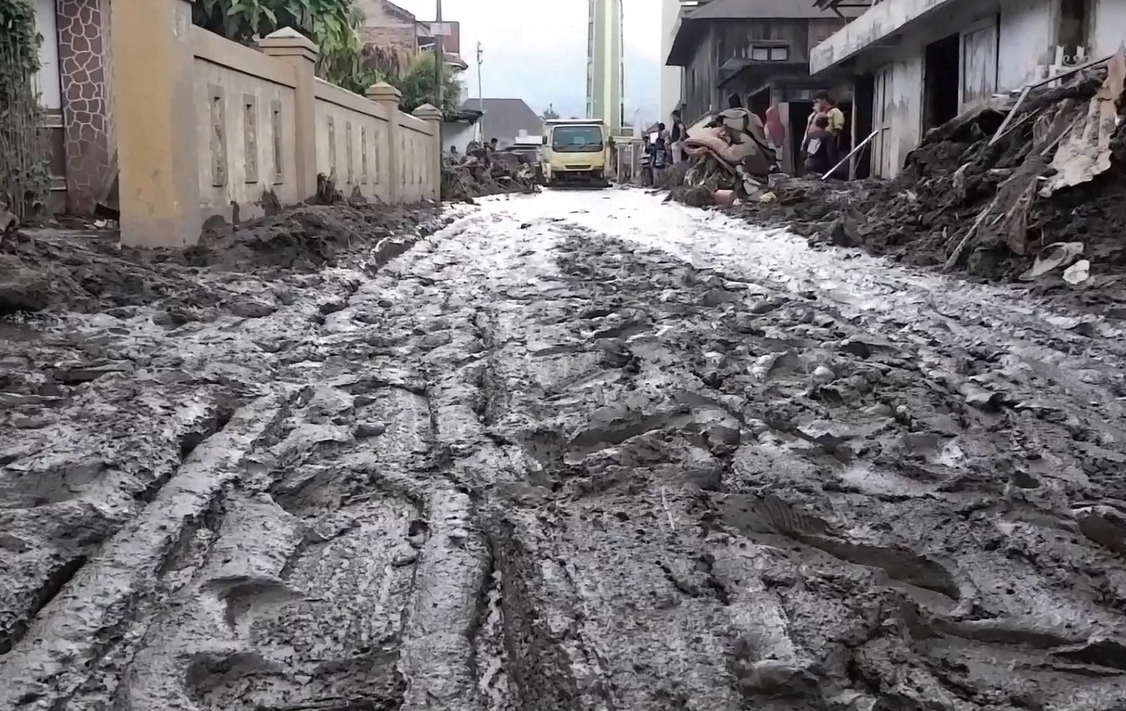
(768, 72)
(683, 44)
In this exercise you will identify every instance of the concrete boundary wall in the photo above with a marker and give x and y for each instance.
(245, 113)
(352, 139)
(420, 164)
(212, 130)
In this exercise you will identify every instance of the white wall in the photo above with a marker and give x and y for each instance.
(46, 80)
(1025, 34)
(1024, 37)
(457, 134)
(907, 111)
(1109, 27)
(671, 77)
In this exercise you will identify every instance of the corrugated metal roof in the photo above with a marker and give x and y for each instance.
(770, 9)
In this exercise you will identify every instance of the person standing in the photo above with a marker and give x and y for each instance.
(819, 154)
(678, 135)
(776, 131)
(836, 126)
(660, 154)
(823, 105)
(836, 117)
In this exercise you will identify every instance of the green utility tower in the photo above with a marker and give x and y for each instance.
(605, 73)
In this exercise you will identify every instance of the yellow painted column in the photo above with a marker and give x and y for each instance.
(296, 49)
(433, 117)
(388, 96)
(156, 119)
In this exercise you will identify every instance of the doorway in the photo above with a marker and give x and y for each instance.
(864, 96)
(940, 82)
(884, 157)
(759, 103)
(799, 117)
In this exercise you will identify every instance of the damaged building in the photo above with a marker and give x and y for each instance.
(760, 51)
(918, 63)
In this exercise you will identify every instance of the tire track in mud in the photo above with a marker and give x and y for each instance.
(526, 466)
(696, 397)
(162, 517)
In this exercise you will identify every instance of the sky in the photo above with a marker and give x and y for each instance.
(536, 50)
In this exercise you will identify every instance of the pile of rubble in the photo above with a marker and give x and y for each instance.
(480, 173)
(990, 192)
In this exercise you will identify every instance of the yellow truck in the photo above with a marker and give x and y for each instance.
(576, 152)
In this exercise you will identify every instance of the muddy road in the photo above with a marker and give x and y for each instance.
(577, 451)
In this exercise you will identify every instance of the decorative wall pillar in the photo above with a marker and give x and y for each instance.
(388, 97)
(85, 77)
(433, 173)
(296, 49)
(156, 118)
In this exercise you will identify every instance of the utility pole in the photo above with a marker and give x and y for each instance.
(439, 55)
(480, 96)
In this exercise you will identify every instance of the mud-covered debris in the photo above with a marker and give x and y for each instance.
(92, 273)
(482, 173)
(979, 397)
(1105, 525)
(22, 288)
(309, 236)
(983, 207)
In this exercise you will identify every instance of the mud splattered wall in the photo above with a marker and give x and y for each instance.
(246, 130)
(86, 86)
(352, 135)
(416, 158)
(257, 114)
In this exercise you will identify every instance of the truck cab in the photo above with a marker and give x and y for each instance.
(576, 152)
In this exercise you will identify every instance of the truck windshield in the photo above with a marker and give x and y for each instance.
(576, 139)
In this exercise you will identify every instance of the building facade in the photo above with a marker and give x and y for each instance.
(390, 26)
(671, 76)
(759, 51)
(605, 72)
(919, 63)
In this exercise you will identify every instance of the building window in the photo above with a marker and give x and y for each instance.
(770, 54)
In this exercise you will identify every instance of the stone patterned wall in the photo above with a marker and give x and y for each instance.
(85, 75)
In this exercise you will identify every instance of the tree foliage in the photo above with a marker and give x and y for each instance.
(334, 25)
(418, 82)
(25, 178)
(17, 23)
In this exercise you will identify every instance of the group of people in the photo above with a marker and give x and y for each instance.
(472, 148)
(666, 148)
(820, 147)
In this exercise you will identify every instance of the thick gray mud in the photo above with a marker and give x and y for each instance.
(575, 451)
